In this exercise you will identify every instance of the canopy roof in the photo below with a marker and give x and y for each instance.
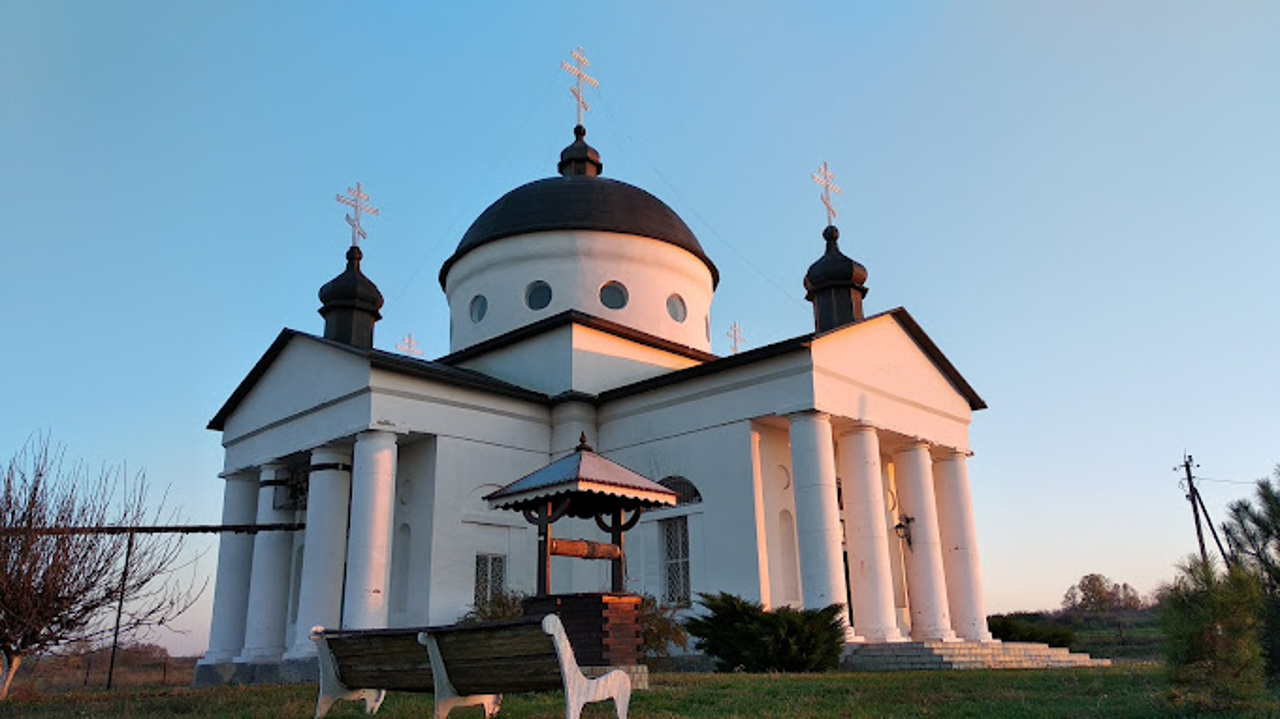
(592, 484)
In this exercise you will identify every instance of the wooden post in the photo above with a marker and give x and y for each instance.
(115, 636)
(619, 564)
(544, 549)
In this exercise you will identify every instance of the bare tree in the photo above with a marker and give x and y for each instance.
(61, 577)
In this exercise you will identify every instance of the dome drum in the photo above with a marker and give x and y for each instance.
(626, 279)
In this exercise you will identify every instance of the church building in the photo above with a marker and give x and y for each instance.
(826, 468)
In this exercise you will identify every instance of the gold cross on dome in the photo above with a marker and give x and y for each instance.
(578, 70)
(356, 199)
(828, 182)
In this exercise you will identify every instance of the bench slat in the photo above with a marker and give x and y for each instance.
(496, 677)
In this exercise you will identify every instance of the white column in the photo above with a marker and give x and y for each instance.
(373, 486)
(867, 537)
(269, 578)
(813, 467)
(235, 556)
(959, 536)
(762, 541)
(324, 553)
(926, 580)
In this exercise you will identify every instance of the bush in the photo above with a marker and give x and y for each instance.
(742, 636)
(659, 628)
(501, 606)
(1022, 627)
(1211, 622)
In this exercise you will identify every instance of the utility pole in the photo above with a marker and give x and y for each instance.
(1195, 508)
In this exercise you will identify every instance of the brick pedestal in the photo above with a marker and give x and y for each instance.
(604, 629)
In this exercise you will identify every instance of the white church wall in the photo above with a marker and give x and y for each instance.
(781, 543)
(295, 584)
(717, 460)
(897, 563)
(875, 373)
(543, 363)
(462, 524)
(576, 264)
(603, 361)
(774, 386)
(412, 536)
(410, 404)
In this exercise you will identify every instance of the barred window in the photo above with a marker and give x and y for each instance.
(675, 550)
(491, 577)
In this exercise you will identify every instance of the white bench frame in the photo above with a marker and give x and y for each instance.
(578, 689)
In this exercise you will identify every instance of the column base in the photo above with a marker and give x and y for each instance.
(301, 651)
(213, 675)
(212, 657)
(883, 636)
(947, 637)
(260, 655)
(290, 671)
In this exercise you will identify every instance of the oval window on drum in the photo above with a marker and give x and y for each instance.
(537, 295)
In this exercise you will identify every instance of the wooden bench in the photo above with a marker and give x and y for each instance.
(461, 666)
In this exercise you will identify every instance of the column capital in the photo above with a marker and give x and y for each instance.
(376, 435)
(950, 454)
(331, 454)
(808, 413)
(268, 474)
(858, 428)
(913, 443)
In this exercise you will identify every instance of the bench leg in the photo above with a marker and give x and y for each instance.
(579, 690)
(490, 702)
(446, 696)
(372, 699)
(332, 689)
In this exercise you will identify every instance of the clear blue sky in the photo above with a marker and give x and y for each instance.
(1078, 201)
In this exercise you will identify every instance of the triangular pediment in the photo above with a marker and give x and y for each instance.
(297, 372)
(890, 356)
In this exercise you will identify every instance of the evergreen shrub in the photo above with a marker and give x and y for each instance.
(742, 636)
(1211, 622)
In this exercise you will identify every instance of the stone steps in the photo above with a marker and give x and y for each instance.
(915, 656)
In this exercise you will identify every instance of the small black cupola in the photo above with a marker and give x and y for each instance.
(579, 159)
(349, 304)
(835, 284)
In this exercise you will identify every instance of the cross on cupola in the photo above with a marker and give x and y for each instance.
(735, 337)
(349, 303)
(578, 70)
(836, 283)
(826, 180)
(356, 199)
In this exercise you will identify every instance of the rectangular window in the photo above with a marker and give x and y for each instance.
(675, 552)
(491, 577)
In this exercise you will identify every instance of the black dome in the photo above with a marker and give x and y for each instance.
(579, 202)
(834, 269)
(351, 288)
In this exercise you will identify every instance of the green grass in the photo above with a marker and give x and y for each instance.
(1129, 691)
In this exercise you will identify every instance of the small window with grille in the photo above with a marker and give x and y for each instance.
(675, 552)
(491, 577)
